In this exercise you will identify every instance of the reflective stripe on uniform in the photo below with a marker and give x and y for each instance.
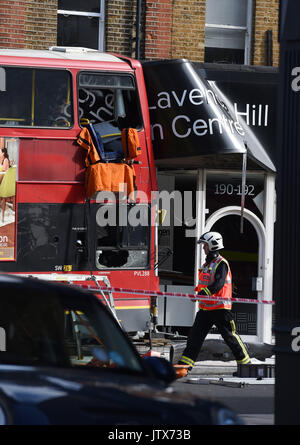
(207, 291)
(246, 359)
(187, 360)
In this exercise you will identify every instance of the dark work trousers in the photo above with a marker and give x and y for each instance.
(223, 320)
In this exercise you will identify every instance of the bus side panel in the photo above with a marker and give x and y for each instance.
(64, 160)
(39, 192)
(51, 160)
(47, 240)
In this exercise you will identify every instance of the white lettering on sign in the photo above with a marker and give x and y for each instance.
(183, 126)
(296, 82)
(296, 341)
(254, 115)
(200, 127)
(233, 189)
(2, 79)
(2, 340)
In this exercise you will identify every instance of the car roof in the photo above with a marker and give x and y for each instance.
(8, 280)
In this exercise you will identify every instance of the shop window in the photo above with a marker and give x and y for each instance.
(123, 242)
(36, 98)
(176, 233)
(227, 31)
(81, 23)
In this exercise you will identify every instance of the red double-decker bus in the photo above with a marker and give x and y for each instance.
(51, 222)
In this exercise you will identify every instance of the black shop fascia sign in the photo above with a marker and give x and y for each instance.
(204, 115)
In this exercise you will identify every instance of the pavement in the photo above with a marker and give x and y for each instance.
(212, 372)
(214, 369)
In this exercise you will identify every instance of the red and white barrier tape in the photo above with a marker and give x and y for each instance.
(193, 297)
(121, 290)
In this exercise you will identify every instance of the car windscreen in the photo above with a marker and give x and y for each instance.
(53, 328)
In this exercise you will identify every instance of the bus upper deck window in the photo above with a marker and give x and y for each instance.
(33, 97)
(110, 97)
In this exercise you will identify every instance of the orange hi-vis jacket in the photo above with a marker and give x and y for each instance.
(206, 278)
(85, 141)
(104, 176)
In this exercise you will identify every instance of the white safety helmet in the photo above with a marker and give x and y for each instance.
(213, 239)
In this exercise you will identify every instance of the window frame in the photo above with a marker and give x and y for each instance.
(247, 29)
(47, 68)
(100, 15)
(111, 73)
(119, 247)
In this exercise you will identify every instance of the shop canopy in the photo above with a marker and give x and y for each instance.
(197, 122)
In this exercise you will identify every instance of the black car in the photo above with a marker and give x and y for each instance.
(64, 360)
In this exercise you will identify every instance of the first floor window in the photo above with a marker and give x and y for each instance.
(81, 23)
(228, 31)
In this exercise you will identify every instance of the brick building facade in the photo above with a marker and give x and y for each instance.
(169, 29)
(266, 17)
(28, 23)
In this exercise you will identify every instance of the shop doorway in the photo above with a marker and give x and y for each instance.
(244, 251)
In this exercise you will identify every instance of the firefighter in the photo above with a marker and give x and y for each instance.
(214, 280)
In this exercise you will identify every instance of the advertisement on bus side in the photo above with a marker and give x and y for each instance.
(9, 150)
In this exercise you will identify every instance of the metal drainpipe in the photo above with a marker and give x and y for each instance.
(137, 29)
(269, 42)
